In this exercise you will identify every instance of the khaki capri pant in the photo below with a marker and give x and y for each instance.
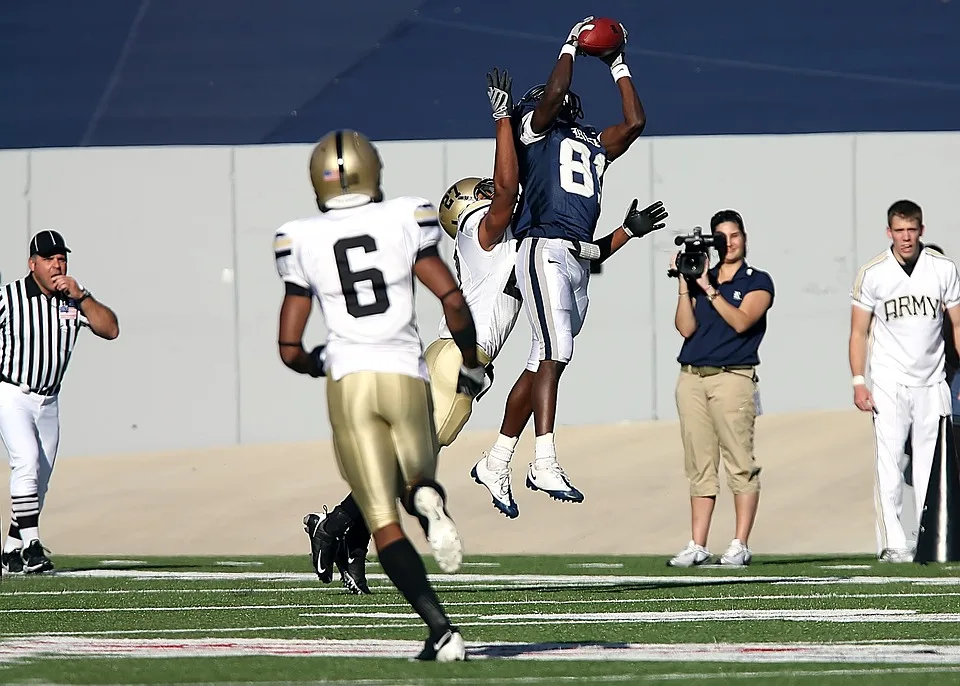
(718, 415)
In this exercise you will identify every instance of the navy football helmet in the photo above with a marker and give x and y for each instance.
(570, 111)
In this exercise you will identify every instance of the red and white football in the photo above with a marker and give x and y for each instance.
(605, 38)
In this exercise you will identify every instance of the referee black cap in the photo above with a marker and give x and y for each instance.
(48, 243)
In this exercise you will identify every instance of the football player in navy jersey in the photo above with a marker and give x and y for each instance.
(561, 162)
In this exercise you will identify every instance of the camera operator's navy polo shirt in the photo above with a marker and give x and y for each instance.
(715, 343)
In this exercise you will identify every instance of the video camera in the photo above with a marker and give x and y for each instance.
(692, 260)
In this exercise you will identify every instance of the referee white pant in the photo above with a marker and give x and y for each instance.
(554, 286)
(901, 410)
(30, 430)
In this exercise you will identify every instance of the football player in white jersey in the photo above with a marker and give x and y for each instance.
(899, 300)
(359, 258)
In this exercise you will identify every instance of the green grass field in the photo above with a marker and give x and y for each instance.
(527, 620)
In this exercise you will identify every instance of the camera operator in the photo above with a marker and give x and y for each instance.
(722, 316)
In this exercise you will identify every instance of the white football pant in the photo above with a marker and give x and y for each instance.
(30, 430)
(554, 286)
(900, 409)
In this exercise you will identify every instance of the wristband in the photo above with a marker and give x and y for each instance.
(568, 49)
(858, 380)
(86, 294)
(619, 71)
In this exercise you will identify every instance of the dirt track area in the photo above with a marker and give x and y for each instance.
(817, 495)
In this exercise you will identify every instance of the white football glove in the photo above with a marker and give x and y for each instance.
(571, 45)
(470, 381)
(498, 90)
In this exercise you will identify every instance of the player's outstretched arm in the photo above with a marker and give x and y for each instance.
(294, 313)
(636, 224)
(506, 173)
(618, 138)
(559, 82)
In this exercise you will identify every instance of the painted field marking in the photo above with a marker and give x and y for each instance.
(595, 565)
(534, 580)
(923, 653)
(846, 566)
(123, 562)
(798, 673)
(462, 603)
(238, 563)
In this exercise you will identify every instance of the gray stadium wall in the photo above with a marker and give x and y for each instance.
(178, 241)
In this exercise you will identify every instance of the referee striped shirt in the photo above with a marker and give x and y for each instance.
(37, 335)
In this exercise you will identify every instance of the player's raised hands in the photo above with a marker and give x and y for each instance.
(638, 223)
(574, 35)
(498, 90)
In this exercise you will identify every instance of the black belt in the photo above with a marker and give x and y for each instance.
(706, 370)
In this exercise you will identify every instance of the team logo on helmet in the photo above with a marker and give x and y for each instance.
(468, 193)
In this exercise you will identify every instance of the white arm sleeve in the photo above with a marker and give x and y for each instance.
(527, 136)
(287, 265)
(862, 292)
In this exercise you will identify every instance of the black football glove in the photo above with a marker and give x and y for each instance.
(498, 90)
(470, 382)
(638, 224)
(318, 356)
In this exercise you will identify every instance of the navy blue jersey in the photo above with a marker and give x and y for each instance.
(561, 175)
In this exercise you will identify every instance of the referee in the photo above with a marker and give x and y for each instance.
(41, 316)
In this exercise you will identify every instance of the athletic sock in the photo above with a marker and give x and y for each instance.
(342, 517)
(405, 568)
(545, 451)
(13, 542)
(26, 509)
(502, 452)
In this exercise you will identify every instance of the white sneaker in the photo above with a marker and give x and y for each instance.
(441, 531)
(737, 555)
(552, 480)
(898, 555)
(497, 482)
(448, 648)
(691, 556)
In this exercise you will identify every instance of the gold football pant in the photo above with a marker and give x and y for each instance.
(384, 439)
(451, 409)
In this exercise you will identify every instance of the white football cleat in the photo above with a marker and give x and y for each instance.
(497, 481)
(552, 480)
(441, 531)
(737, 555)
(691, 556)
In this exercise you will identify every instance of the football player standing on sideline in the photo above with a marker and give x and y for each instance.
(359, 259)
(902, 294)
(41, 316)
(562, 163)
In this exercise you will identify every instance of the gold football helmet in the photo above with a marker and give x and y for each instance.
(345, 170)
(468, 193)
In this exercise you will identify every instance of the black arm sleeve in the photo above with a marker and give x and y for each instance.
(606, 245)
(429, 251)
(294, 289)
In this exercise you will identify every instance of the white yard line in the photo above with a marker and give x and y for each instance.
(37, 646)
(465, 603)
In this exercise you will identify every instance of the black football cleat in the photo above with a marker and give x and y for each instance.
(34, 558)
(323, 546)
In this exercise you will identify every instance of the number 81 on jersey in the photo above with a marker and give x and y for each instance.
(575, 176)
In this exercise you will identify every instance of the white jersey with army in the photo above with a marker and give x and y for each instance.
(358, 263)
(908, 310)
(487, 282)
(907, 380)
